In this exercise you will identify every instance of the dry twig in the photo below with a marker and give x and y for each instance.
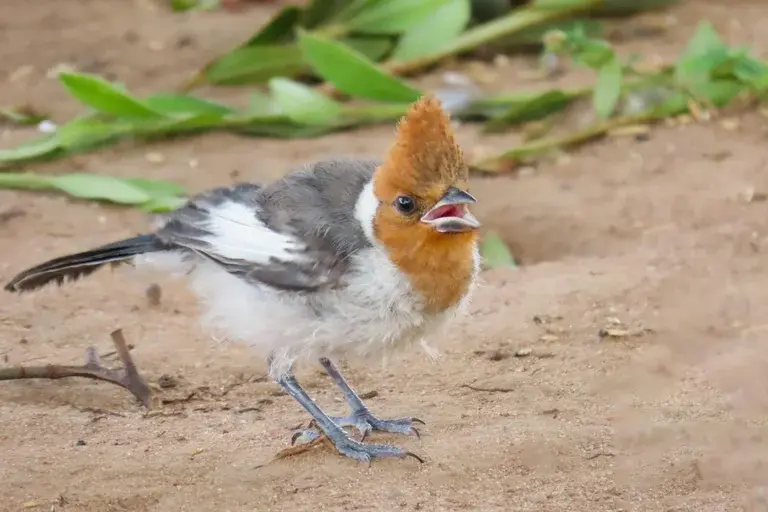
(488, 390)
(128, 377)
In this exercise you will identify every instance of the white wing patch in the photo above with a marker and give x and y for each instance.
(239, 235)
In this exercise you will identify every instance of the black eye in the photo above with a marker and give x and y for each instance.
(405, 204)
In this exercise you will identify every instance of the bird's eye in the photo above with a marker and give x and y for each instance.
(405, 204)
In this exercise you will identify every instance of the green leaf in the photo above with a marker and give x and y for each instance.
(163, 204)
(700, 69)
(285, 130)
(352, 73)
(260, 104)
(718, 92)
(150, 194)
(319, 12)
(255, 64)
(392, 16)
(434, 32)
(608, 89)
(157, 188)
(495, 252)
(175, 126)
(704, 53)
(351, 8)
(675, 104)
(540, 106)
(303, 104)
(594, 53)
(174, 104)
(87, 132)
(279, 29)
(374, 48)
(36, 148)
(94, 186)
(749, 70)
(105, 97)
(704, 41)
(193, 5)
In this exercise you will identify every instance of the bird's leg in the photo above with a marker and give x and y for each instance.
(341, 441)
(360, 417)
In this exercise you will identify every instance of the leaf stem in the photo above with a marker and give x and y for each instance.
(516, 21)
(503, 162)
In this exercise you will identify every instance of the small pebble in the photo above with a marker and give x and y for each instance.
(730, 125)
(167, 381)
(46, 126)
(155, 158)
(496, 355)
(154, 294)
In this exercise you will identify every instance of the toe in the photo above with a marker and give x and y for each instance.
(304, 436)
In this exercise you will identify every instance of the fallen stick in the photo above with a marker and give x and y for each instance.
(127, 377)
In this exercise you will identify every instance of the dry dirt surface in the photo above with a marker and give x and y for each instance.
(661, 242)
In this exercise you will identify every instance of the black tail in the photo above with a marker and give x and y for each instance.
(78, 265)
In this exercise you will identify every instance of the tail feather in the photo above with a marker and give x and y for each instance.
(79, 265)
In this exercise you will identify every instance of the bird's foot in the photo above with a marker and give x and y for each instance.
(365, 423)
(346, 446)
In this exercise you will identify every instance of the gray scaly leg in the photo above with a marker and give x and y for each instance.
(360, 417)
(343, 443)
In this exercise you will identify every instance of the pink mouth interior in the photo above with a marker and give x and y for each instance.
(449, 210)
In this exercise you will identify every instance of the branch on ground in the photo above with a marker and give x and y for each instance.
(127, 377)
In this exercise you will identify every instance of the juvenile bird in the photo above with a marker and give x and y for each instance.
(341, 258)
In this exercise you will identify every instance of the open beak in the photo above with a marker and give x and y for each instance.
(450, 214)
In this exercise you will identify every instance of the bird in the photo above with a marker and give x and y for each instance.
(341, 258)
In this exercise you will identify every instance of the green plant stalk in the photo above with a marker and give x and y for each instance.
(516, 21)
(497, 163)
(23, 182)
(504, 100)
(351, 116)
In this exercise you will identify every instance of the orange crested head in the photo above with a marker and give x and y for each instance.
(423, 218)
(423, 181)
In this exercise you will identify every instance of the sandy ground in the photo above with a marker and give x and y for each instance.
(656, 235)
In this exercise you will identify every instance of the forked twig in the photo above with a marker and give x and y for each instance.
(296, 449)
(127, 377)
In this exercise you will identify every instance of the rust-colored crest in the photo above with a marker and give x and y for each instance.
(425, 152)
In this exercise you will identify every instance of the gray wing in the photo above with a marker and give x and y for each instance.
(296, 233)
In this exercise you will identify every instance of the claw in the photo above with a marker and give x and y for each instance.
(411, 454)
(416, 432)
(295, 436)
(417, 420)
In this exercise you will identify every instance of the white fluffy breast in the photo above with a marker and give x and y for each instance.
(375, 312)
